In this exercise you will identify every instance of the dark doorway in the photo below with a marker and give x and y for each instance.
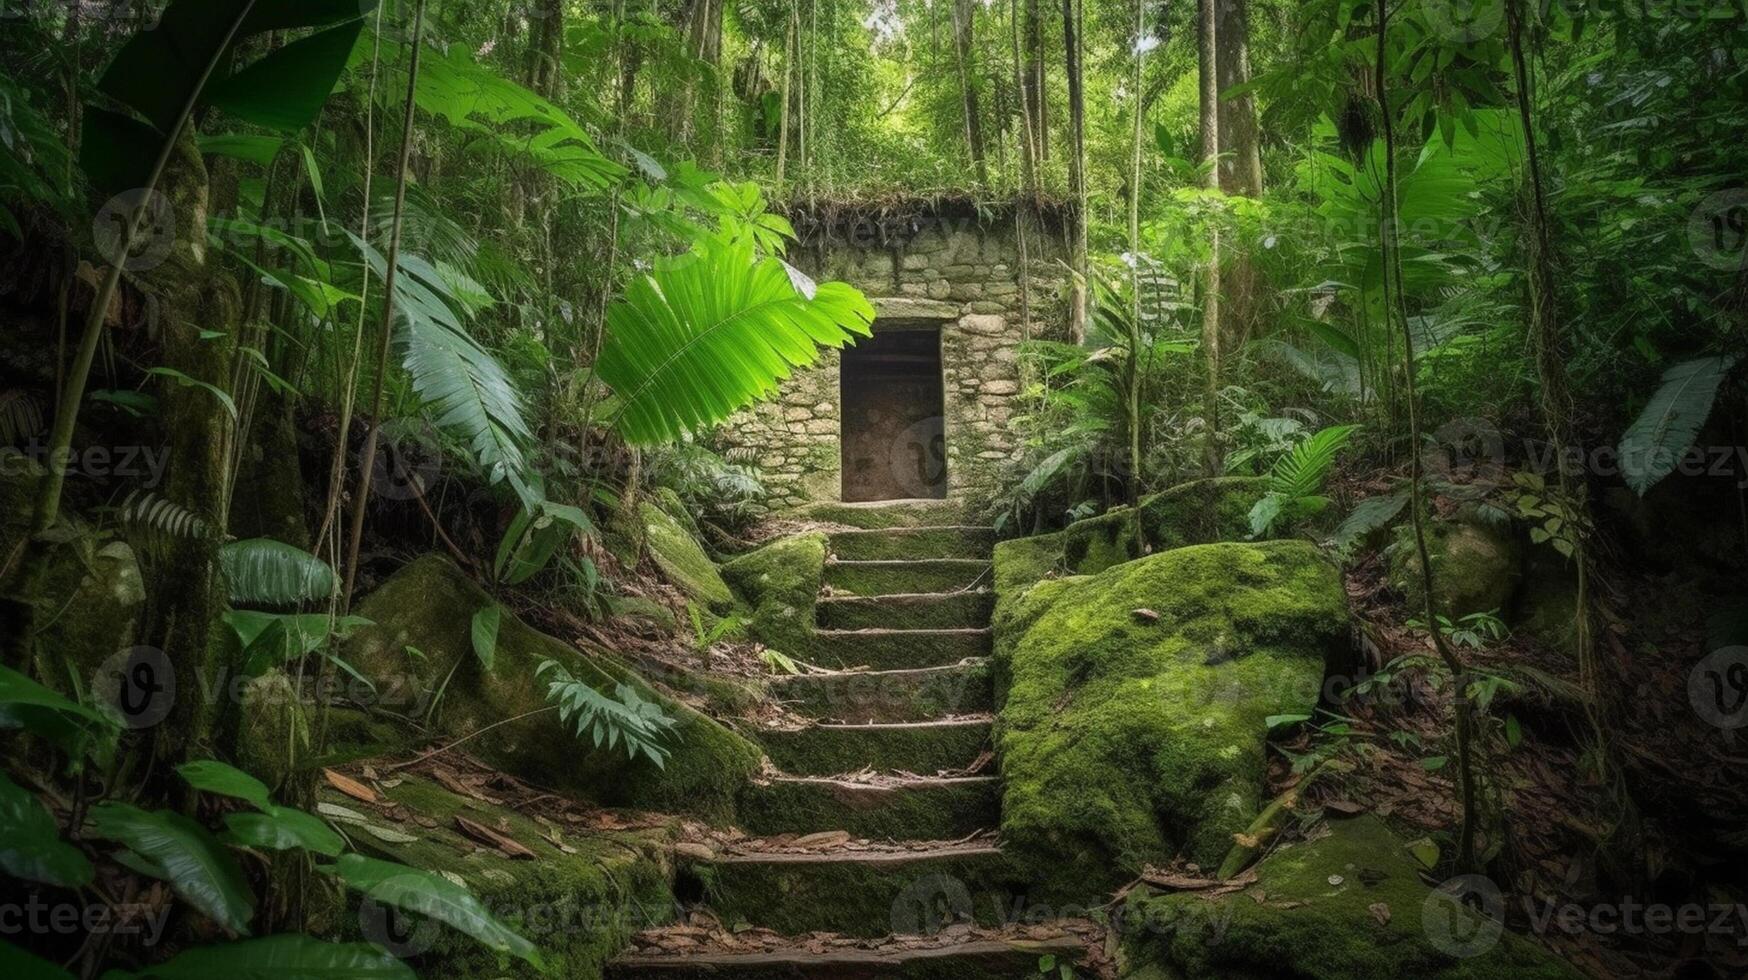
(894, 439)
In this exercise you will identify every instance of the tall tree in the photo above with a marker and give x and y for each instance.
(1072, 25)
(1208, 85)
(1240, 133)
(1035, 90)
(964, 51)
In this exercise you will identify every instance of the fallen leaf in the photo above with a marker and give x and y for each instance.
(1144, 615)
(510, 846)
(351, 787)
(1380, 911)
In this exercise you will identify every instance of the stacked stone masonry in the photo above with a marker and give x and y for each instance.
(956, 274)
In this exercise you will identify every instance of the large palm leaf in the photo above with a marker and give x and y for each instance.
(707, 334)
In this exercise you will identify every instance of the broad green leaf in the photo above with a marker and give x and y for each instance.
(714, 331)
(415, 890)
(285, 90)
(261, 571)
(259, 150)
(188, 381)
(485, 634)
(292, 956)
(283, 828)
(1653, 446)
(72, 727)
(30, 841)
(196, 865)
(212, 776)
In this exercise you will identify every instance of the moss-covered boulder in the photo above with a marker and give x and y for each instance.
(681, 558)
(1126, 738)
(780, 581)
(1476, 565)
(1350, 904)
(429, 605)
(578, 899)
(1198, 512)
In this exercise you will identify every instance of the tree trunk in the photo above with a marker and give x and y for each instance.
(1240, 134)
(1036, 92)
(1207, 27)
(1071, 31)
(964, 33)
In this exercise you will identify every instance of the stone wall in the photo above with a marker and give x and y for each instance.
(956, 272)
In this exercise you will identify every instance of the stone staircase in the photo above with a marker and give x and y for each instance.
(912, 604)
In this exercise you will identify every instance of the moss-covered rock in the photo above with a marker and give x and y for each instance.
(1198, 512)
(681, 558)
(1348, 905)
(579, 906)
(1476, 565)
(429, 605)
(1124, 739)
(780, 581)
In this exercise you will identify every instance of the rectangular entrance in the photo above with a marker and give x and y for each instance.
(894, 434)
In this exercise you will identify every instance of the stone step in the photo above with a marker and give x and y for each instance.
(924, 808)
(862, 893)
(880, 578)
(925, 611)
(950, 541)
(897, 649)
(977, 959)
(890, 695)
(882, 514)
(923, 748)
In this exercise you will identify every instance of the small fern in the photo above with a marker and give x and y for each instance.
(1295, 487)
(152, 523)
(626, 717)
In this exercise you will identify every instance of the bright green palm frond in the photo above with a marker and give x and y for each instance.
(708, 334)
(1300, 473)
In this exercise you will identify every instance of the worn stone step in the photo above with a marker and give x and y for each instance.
(881, 514)
(950, 541)
(890, 695)
(920, 808)
(877, 578)
(924, 748)
(925, 611)
(979, 959)
(897, 649)
(861, 893)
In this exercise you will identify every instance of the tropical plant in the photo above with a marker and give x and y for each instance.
(607, 721)
(1295, 482)
(1663, 433)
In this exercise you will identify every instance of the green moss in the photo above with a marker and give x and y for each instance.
(681, 558)
(1024, 561)
(1125, 741)
(869, 578)
(863, 897)
(897, 649)
(943, 810)
(911, 513)
(578, 906)
(956, 610)
(780, 581)
(894, 695)
(1476, 565)
(829, 750)
(429, 605)
(920, 542)
(1314, 912)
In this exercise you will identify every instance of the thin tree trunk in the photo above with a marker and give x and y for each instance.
(1132, 370)
(964, 24)
(1396, 307)
(1071, 34)
(1240, 134)
(367, 462)
(789, 46)
(1037, 93)
(1208, 81)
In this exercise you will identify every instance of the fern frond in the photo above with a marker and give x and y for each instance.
(607, 721)
(1300, 473)
(261, 571)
